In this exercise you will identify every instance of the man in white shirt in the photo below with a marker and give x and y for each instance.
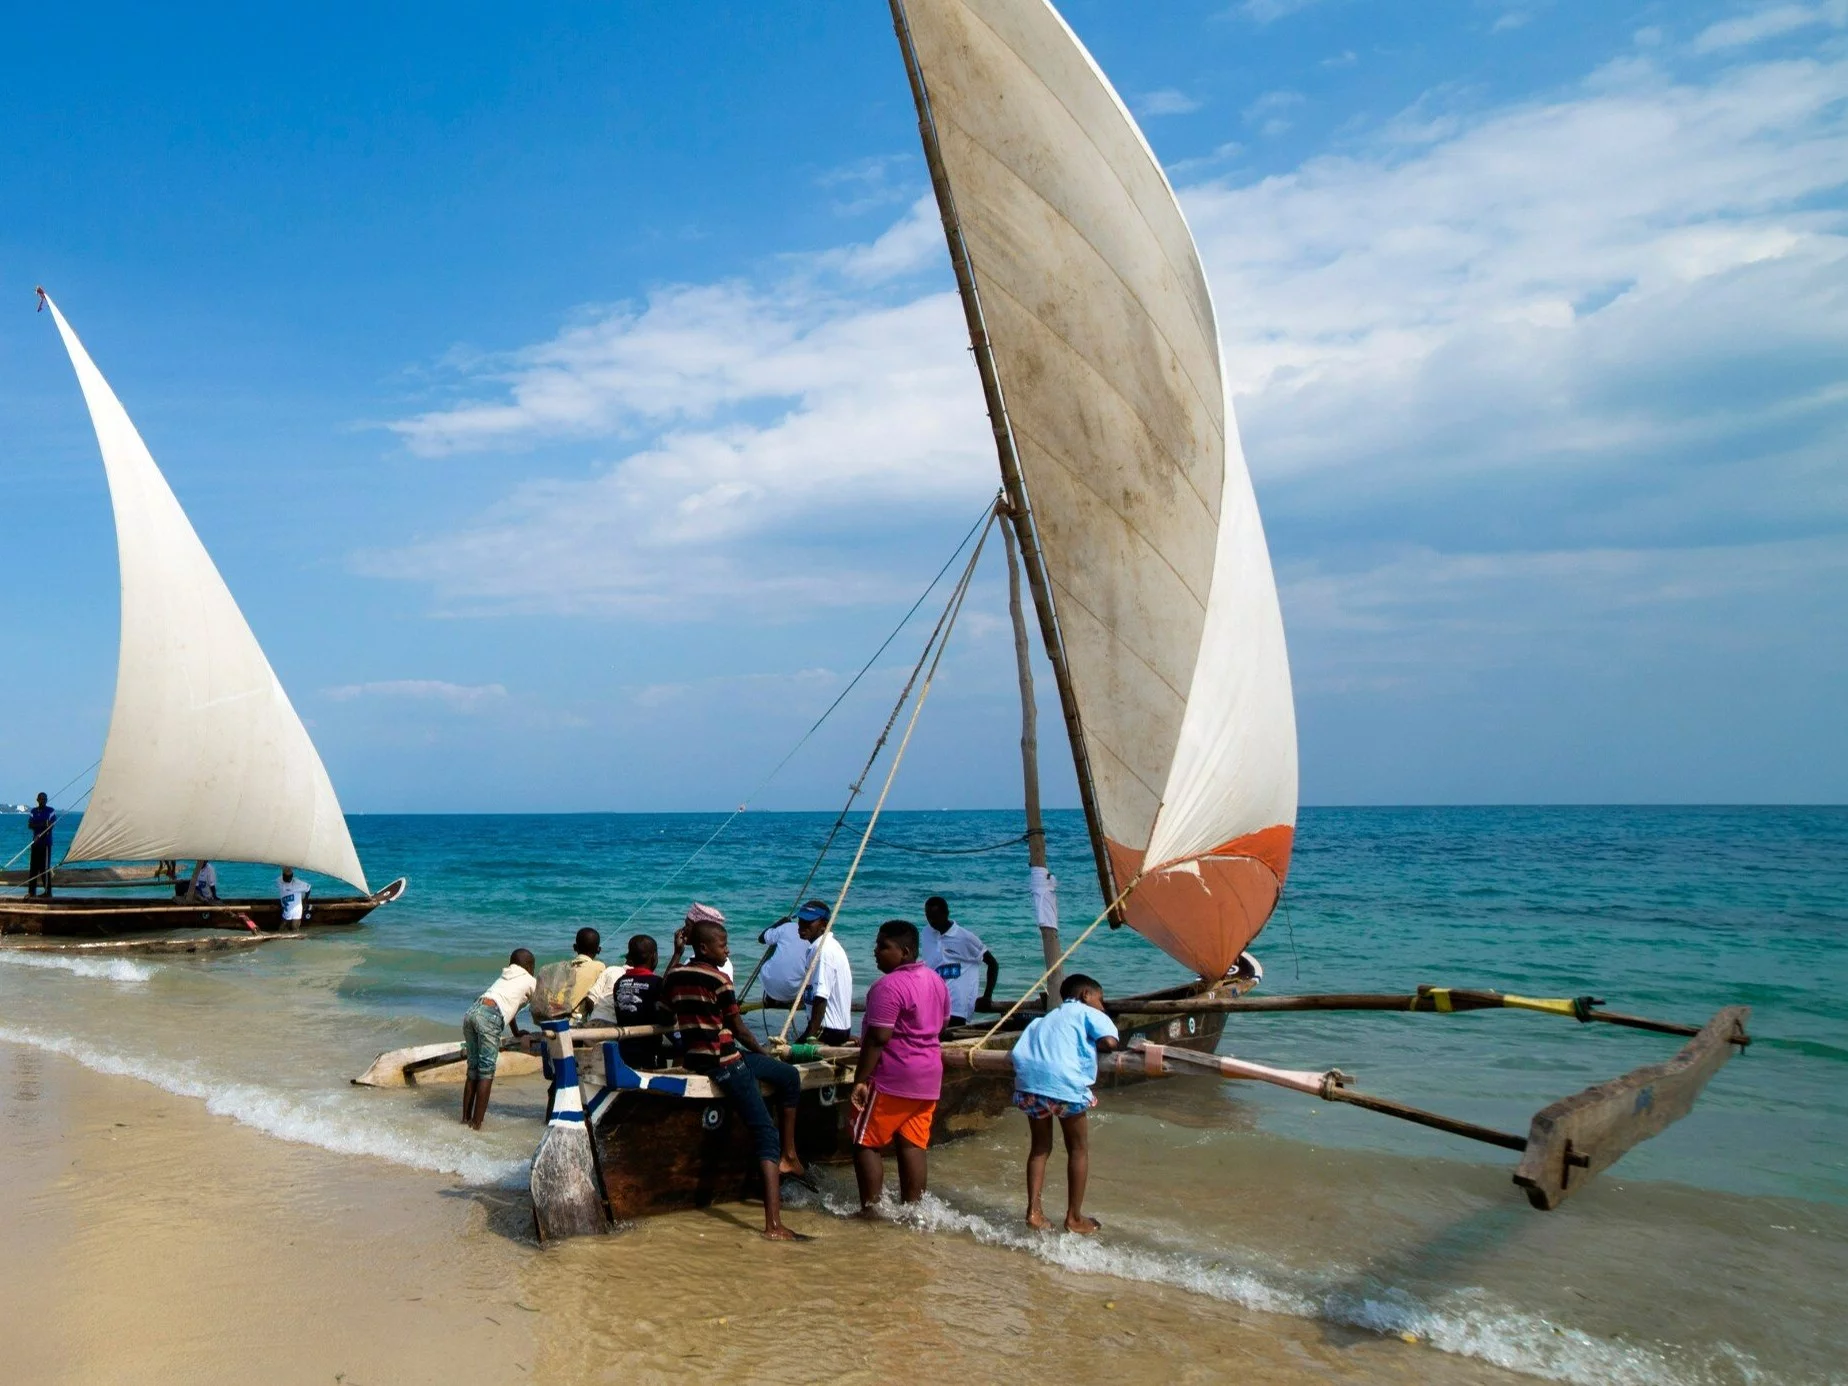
(294, 896)
(830, 991)
(203, 888)
(784, 969)
(955, 954)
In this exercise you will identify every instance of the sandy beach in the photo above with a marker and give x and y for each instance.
(149, 1241)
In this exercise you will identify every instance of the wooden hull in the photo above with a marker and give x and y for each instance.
(660, 1154)
(102, 917)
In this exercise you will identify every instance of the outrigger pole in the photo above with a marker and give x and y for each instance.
(1442, 1000)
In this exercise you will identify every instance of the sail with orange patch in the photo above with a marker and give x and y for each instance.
(1098, 334)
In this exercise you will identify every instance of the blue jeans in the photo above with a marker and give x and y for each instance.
(739, 1082)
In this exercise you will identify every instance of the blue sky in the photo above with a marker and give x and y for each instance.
(573, 399)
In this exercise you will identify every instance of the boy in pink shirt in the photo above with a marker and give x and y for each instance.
(900, 1074)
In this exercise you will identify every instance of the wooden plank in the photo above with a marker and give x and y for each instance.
(1578, 1136)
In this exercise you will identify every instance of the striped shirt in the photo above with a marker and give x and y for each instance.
(704, 1009)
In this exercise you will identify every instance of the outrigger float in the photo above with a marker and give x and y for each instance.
(205, 758)
(1126, 508)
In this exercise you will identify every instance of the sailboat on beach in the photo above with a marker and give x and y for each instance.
(1129, 516)
(205, 756)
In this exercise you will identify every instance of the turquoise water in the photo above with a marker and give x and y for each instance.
(1670, 912)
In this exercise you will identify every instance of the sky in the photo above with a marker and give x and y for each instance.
(575, 397)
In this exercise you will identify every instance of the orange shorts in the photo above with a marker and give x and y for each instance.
(886, 1118)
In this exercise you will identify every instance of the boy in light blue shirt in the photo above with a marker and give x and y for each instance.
(1055, 1066)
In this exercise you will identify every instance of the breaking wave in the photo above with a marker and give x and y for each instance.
(1472, 1325)
(331, 1121)
(104, 969)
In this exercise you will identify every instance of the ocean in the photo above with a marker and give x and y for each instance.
(1715, 1253)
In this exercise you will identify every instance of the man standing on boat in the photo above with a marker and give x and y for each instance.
(954, 953)
(38, 872)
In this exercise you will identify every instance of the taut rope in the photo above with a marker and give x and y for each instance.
(829, 712)
(942, 638)
(1027, 995)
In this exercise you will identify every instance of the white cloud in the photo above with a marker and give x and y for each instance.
(1634, 280)
(822, 400)
(463, 697)
(1166, 102)
(1269, 11)
(865, 185)
(1771, 22)
(1270, 111)
(913, 243)
(1603, 322)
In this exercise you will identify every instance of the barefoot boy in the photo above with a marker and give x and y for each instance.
(1055, 1065)
(900, 1073)
(699, 999)
(482, 1027)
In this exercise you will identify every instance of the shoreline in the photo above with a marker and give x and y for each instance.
(214, 1253)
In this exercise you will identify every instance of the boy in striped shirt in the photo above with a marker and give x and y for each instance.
(703, 1008)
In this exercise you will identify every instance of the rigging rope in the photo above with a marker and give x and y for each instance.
(1109, 909)
(945, 625)
(951, 851)
(859, 782)
(732, 817)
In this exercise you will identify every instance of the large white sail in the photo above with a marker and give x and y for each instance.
(1106, 348)
(205, 755)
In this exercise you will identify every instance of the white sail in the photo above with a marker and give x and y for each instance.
(205, 755)
(1107, 351)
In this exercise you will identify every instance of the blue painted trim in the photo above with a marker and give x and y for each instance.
(615, 1072)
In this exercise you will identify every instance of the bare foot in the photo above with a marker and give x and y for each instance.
(793, 1167)
(780, 1233)
(1083, 1226)
(872, 1212)
(1037, 1220)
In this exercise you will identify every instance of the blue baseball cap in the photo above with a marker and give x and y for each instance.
(812, 911)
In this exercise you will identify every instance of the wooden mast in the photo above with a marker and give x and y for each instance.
(1020, 527)
(1029, 761)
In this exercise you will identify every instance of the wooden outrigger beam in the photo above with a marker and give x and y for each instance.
(1566, 1143)
(1589, 1130)
(1442, 1000)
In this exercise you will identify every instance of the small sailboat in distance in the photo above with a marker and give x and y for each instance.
(205, 756)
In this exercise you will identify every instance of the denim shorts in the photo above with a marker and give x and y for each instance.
(482, 1029)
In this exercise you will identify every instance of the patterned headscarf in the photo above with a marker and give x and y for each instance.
(704, 914)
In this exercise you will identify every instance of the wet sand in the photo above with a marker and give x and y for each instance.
(148, 1241)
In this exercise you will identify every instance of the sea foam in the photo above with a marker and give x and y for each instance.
(331, 1121)
(1474, 1327)
(104, 969)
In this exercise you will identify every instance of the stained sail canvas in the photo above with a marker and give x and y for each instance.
(205, 755)
(1106, 346)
